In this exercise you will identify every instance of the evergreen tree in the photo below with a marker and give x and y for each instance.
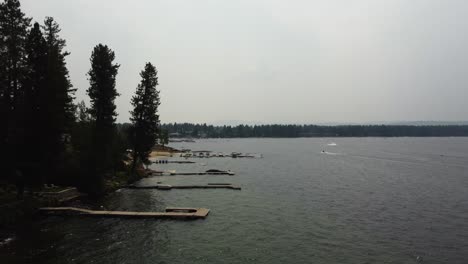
(102, 86)
(13, 32)
(56, 108)
(61, 91)
(34, 88)
(35, 85)
(164, 137)
(102, 93)
(81, 141)
(83, 113)
(145, 120)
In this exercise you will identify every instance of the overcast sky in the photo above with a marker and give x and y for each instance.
(268, 61)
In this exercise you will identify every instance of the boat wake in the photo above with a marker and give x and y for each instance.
(330, 153)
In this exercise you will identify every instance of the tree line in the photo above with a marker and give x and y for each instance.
(45, 137)
(294, 131)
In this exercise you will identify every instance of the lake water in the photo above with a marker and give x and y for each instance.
(365, 200)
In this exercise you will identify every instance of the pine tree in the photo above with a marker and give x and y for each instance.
(33, 88)
(60, 89)
(13, 32)
(102, 86)
(82, 145)
(35, 81)
(145, 120)
(102, 93)
(164, 137)
(56, 108)
(83, 113)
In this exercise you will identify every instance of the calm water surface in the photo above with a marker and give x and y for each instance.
(367, 200)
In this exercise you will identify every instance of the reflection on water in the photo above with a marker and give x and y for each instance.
(401, 200)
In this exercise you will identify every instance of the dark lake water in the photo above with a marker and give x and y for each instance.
(366, 200)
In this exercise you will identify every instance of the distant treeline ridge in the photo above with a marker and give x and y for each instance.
(292, 131)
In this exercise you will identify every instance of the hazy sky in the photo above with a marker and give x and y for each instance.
(277, 61)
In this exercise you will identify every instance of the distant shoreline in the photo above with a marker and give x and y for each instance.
(187, 130)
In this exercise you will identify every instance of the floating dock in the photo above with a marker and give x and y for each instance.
(171, 212)
(201, 173)
(174, 161)
(174, 173)
(211, 154)
(182, 161)
(169, 187)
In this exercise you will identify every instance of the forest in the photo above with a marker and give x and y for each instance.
(46, 138)
(292, 131)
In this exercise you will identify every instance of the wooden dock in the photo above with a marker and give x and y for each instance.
(174, 173)
(173, 161)
(169, 187)
(230, 173)
(171, 212)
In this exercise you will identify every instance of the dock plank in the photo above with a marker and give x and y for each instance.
(176, 213)
(169, 187)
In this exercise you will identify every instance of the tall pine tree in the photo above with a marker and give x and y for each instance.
(102, 93)
(13, 33)
(57, 111)
(145, 120)
(34, 88)
(102, 90)
(60, 90)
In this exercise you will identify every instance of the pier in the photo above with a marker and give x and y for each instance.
(202, 173)
(150, 172)
(169, 187)
(174, 162)
(211, 154)
(171, 212)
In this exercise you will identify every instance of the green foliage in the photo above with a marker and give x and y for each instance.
(36, 96)
(102, 90)
(58, 81)
(292, 131)
(56, 109)
(81, 141)
(13, 34)
(35, 86)
(33, 103)
(102, 93)
(82, 115)
(145, 120)
(164, 137)
(44, 137)
(83, 151)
